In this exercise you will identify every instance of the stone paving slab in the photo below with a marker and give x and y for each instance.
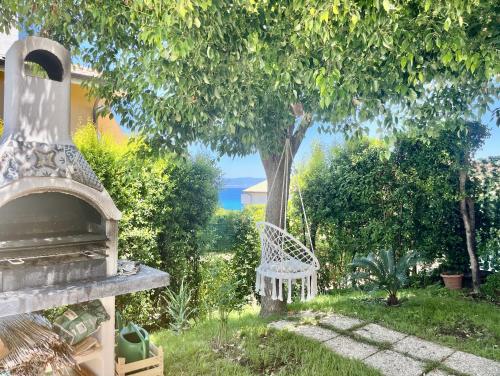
(472, 364)
(281, 325)
(306, 315)
(437, 372)
(378, 333)
(350, 348)
(315, 332)
(421, 349)
(340, 321)
(391, 363)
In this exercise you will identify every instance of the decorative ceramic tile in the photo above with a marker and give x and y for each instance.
(20, 159)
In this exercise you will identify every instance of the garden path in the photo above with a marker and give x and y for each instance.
(391, 352)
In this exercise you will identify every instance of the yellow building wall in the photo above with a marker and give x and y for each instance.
(81, 107)
(81, 112)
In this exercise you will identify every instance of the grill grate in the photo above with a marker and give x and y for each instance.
(71, 250)
(52, 241)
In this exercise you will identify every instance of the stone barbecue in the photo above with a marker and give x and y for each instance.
(58, 225)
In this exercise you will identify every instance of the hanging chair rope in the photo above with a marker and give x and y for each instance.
(308, 229)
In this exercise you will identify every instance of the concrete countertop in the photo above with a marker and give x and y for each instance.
(40, 298)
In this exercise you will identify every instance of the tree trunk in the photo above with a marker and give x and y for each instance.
(469, 219)
(278, 189)
(278, 179)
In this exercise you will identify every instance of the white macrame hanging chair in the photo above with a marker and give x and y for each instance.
(284, 259)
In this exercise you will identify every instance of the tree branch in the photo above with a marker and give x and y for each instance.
(300, 133)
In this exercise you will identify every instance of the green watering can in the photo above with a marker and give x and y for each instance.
(132, 341)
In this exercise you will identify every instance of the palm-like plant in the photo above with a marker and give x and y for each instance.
(382, 272)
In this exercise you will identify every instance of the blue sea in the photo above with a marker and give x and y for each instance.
(230, 198)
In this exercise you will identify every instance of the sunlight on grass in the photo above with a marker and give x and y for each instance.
(251, 349)
(435, 314)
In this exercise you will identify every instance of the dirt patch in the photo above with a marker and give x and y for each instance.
(231, 350)
(382, 301)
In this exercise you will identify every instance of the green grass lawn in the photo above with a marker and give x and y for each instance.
(251, 349)
(436, 314)
(439, 315)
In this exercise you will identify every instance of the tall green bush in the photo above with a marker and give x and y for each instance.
(491, 289)
(364, 195)
(486, 178)
(166, 201)
(246, 255)
(236, 251)
(219, 236)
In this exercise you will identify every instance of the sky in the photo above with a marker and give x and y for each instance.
(251, 166)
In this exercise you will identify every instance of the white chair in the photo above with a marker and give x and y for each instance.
(284, 259)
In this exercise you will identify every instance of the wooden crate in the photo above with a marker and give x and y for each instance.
(152, 366)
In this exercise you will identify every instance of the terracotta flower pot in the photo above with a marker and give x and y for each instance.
(453, 281)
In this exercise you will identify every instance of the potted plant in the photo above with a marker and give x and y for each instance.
(452, 279)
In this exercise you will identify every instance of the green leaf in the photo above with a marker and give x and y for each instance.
(354, 20)
(447, 23)
(403, 62)
(447, 57)
(324, 16)
(427, 5)
(387, 5)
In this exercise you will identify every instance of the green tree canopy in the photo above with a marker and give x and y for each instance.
(227, 73)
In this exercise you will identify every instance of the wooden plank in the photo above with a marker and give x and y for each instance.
(153, 366)
(149, 372)
(140, 364)
(160, 356)
(88, 357)
(119, 367)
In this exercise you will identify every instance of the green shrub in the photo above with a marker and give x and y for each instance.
(224, 232)
(219, 236)
(486, 178)
(246, 256)
(364, 195)
(233, 235)
(491, 289)
(166, 201)
(220, 290)
(256, 211)
(215, 270)
(382, 272)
